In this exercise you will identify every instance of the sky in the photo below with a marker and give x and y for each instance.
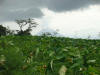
(73, 18)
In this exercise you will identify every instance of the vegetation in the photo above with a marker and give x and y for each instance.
(28, 23)
(25, 28)
(3, 30)
(48, 55)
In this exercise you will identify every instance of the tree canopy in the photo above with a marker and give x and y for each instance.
(28, 23)
(3, 30)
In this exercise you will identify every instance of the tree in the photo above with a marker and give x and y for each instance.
(3, 30)
(28, 23)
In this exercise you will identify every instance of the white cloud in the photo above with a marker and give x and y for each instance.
(80, 23)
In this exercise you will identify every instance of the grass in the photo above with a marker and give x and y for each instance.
(42, 55)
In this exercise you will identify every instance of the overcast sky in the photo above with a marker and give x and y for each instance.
(73, 18)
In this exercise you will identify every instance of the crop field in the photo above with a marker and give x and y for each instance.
(43, 55)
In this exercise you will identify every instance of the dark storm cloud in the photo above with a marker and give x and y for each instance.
(10, 15)
(1, 1)
(67, 5)
(17, 9)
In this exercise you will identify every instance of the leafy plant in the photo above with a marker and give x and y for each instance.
(43, 55)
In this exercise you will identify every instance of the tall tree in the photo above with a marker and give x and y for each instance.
(28, 23)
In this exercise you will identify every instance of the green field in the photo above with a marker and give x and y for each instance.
(42, 55)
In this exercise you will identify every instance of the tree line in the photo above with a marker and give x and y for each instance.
(28, 23)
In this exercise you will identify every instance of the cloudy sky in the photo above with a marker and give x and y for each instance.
(73, 18)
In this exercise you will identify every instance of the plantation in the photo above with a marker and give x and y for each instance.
(43, 55)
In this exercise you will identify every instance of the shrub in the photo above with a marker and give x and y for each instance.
(3, 30)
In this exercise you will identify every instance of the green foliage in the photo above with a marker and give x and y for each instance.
(3, 31)
(28, 23)
(48, 55)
